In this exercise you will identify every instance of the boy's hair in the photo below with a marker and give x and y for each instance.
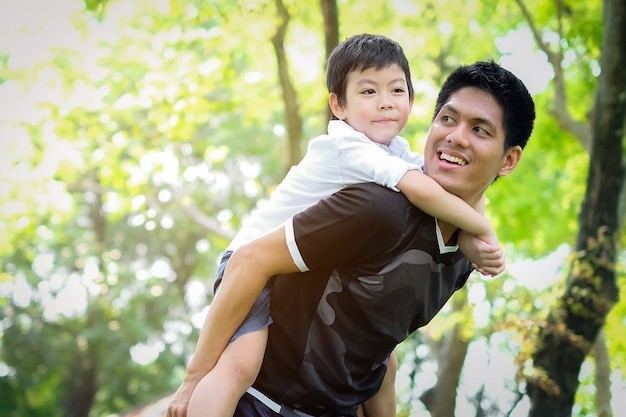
(518, 108)
(359, 53)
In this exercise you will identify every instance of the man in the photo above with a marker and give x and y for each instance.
(361, 270)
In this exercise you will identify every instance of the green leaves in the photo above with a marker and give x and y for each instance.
(133, 146)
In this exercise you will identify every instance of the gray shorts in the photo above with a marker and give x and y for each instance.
(259, 316)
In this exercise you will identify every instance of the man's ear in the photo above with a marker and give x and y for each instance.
(335, 107)
(510, 161)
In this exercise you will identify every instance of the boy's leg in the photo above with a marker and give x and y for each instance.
(217, 394)
(383, 404)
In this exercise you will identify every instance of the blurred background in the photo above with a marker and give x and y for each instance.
(136, 135)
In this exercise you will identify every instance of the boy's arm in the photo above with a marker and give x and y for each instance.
(247, 271)
(426, 194)
(486, 259)
(477, 240)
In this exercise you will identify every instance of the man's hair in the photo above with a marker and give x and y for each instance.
(359, 53)
(518, 108)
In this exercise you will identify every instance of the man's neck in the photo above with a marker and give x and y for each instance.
(447, 231)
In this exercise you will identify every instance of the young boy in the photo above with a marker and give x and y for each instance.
(371, 96)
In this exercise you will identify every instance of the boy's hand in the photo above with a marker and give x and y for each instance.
(485, 253)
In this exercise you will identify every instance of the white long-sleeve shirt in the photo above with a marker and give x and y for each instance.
(333, 161)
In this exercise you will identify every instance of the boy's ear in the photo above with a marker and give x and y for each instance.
(335, 107)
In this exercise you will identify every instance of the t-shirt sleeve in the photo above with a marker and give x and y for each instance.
(362, 161)
(354, 226)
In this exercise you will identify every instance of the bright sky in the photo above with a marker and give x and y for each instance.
(521, 57)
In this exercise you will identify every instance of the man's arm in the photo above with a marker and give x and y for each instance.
(248, 269)
(247, 272)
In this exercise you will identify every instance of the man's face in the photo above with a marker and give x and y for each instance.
(464, 150)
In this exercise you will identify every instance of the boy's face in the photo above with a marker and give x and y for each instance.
(377, 103)
(464, 150)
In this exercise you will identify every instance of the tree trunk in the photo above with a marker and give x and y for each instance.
(603, 377)
(81, 382)
(440, 400)
(591, 291)
(292, 111)
(81, 386)
(330, 14)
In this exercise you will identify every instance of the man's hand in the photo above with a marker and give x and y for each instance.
(487, 258)
(179, 404)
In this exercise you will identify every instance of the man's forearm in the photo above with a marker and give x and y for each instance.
(247, 272)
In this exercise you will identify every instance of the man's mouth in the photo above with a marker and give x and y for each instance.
(455, 160)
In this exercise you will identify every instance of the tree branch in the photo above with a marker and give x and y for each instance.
(580, 130)
(205, 221)
(292, 113)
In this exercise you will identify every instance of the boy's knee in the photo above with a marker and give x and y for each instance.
(244, 357)
(245, 370)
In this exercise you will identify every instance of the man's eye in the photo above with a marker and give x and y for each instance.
(447, 119)
(482, 131)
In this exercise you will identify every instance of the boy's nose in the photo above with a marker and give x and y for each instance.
(385, 102)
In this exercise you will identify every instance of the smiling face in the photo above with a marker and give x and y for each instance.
(465, 151)
(377, 102)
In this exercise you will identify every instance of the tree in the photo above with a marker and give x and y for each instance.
(97, 202)
(160, 136)
(292, 113)
(591, 291)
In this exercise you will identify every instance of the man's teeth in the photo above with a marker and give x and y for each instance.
(452, 159)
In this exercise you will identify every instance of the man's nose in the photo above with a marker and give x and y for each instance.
(459, 136)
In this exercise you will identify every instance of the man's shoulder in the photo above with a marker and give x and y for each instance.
(372, 193)
(370, 188)
(371, 201)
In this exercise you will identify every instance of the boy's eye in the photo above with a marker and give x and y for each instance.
(369, 91)
(398, 90)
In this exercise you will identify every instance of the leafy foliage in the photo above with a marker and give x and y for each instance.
(149, 113)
